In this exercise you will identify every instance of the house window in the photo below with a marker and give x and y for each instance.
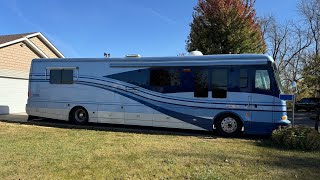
(61, 76)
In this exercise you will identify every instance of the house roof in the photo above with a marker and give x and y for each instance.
(12, 37)
(6, 40)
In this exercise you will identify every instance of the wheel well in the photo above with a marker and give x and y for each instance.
(230, 114)
(74, 108)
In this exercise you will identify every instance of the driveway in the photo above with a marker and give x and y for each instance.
(18, 117)
(302, 118)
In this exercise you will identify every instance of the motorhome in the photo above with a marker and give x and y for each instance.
(230, 93)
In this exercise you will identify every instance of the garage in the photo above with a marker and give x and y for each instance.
(16, 54)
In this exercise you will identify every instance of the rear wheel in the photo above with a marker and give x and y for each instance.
(79, 115)
(228, 125)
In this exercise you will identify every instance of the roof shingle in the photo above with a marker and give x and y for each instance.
(12, 37)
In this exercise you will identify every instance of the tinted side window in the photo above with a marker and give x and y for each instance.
(55, 76)
(187, 81)
(61, 76)
(262, 80)
(219, 83)
(243, 78)
(159, 77)
(67, 76)
(138, 77)
(201, 83)
(165, 80)
(165, 77)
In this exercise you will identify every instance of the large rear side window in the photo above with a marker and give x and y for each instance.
(61, 76)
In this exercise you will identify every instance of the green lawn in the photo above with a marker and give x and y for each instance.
(35, 152)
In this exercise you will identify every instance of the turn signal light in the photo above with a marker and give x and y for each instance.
(285, 117)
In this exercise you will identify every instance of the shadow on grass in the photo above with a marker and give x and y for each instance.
(127, 128)
(117, 128)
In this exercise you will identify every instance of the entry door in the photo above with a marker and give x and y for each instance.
(261, 102)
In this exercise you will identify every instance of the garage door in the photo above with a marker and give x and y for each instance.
(13, 95)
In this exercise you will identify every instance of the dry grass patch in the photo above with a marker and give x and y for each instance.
(34, 152)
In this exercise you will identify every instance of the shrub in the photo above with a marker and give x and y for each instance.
(298, 137)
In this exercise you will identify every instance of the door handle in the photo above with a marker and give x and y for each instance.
(255, 105)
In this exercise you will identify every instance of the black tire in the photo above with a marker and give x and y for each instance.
(228, 125)
(79, 115)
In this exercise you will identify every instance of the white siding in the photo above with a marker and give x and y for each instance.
(13, 95)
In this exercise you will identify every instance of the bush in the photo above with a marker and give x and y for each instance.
(298, 137)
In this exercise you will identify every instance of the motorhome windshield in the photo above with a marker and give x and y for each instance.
(277, 77)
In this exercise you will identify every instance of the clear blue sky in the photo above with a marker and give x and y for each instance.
(90, 28)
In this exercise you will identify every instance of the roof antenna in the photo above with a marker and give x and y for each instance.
(106, 55)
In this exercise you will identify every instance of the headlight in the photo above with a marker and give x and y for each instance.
(285, 117)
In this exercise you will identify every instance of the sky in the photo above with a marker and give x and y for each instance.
(119, 27)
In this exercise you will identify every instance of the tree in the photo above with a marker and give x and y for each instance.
(287, 44)
(225, 26)
(310, 10)
(311, 74)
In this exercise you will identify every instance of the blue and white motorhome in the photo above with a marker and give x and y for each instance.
(230, 93)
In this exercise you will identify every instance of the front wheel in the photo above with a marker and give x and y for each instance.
(228, 125)
(79, 116)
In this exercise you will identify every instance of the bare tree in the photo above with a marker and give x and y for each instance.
(287, 44)
(310, 11)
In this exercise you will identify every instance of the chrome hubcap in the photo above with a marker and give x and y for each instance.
(229, 125)
(80, 115)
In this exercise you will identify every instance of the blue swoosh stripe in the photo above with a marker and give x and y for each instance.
(194, 120)
(79, 82)
(172, 98)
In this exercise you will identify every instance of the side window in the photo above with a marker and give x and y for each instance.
(137, 77)
(201, 83)
(219, 83)
(262, 80)
(159, 77)
(243, 78)
(187, 81)
(55, 76)
(66, 76)
(61, 76)
(165, 80)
